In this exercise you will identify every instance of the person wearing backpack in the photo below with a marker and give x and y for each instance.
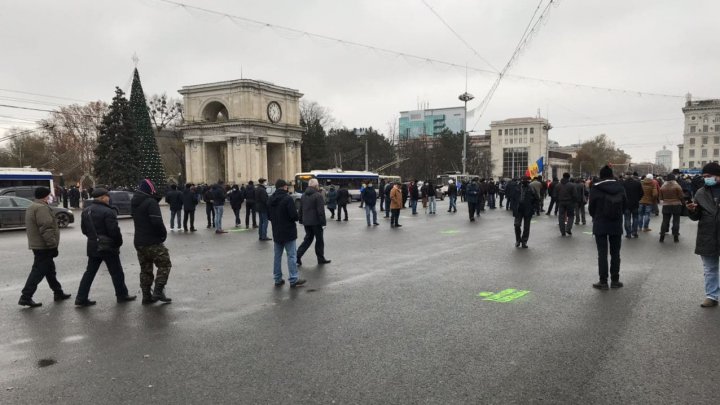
(566, 195)
(606, 207)
(649, 198)
(523, 211)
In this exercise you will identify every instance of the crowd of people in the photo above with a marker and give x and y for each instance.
(618, 205)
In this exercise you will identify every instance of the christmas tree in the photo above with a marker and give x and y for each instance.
(116, 155)
(151, 166)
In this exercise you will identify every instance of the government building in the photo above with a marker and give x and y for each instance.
(241, 130)
(701, 134)
(517, 142)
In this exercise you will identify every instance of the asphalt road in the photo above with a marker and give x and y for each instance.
(395, 318)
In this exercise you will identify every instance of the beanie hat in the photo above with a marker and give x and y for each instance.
(606, 172)
(566, 175)
(649, 176)
(670, 177)
(146, 186)
(42, 192)
(712, 168)
(280, 184)
(99, 192)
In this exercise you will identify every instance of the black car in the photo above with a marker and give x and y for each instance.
(24, 192)
(12, 213)
(119, 201)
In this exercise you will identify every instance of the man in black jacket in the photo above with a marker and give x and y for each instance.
(386, 193)
(312, 217)
(283, 216)
(369, 197)
(100, 221)
(175, 201)
(189, 203)
(342, 200)
(634, 192)
(208, 198)
(606, 207)
(526, 206)
(414, 195)
(236, 198)
(553, 199)
(472, 196)
(566, 196)
(261, 206)
(150, 233)
(250, 205)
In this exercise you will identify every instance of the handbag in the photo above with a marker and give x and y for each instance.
(105, 244)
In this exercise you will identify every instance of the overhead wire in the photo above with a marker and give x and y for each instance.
(262, 24)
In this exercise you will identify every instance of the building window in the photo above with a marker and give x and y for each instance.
(717, 128)
(716, 139)
(692, 152)
(691, 164)
(705, 128)
(515, 162)
(692, 141)
(692, 129)
(499, 132)
(704, 153)
(532, 140)
(704, 140)
(524, 131)
(716, 152)
(532, 131)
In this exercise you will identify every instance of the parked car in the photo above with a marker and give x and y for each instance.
(12, 213)
(119, 201)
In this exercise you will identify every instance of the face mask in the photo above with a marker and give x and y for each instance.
(710, 181)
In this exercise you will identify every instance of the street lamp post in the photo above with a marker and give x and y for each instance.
(465, 97)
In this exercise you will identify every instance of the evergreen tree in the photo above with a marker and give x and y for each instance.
(151, 166)
(116, 153)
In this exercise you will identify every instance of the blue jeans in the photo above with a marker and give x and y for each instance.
(431, 204)
(263, 224)
(645, 212)
(413, 205)
(710, 267)
(368, 210)
(218, 217)
(631, 221)
(289, 248)
(453, 203)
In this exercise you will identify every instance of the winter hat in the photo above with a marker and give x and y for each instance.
(606, 172)
(649, 176)
(566, 175)
(712, 168)
(670, 177)
(280, 183)
(146, 186)
(42, 192)
(99, 192)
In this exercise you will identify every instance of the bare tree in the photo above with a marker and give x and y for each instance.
(311, 111)
(166, 114)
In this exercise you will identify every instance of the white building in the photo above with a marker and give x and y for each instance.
(516, 142)
(701, 137)
(663, 160)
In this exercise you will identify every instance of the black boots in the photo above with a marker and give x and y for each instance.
(147, 297)
(28, 302)
(662, 237)
(159, 294)
(676, 238)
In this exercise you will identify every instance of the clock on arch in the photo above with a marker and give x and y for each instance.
(274, 112)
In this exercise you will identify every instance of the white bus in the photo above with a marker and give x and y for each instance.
(23, 180)
(456, 177)
(351, 179)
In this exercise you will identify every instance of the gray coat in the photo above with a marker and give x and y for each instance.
(707, 242)
(312, 208)
(41, 227)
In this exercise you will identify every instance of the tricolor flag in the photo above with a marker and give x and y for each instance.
(535, 168)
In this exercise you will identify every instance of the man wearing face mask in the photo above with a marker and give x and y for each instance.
(704, 209)
(526, 205)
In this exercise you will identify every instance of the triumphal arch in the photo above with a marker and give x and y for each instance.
(241, 130)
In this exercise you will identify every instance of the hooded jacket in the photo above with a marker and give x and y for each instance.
(236, 198)
(282, 215)
(369, 196)
(312, 208)
(189, 199)
(174, 199)
(261, 199)
(149, 227)
(104, 222)
(633, 191)
(602, 225)
(332, 196)
(472, 194)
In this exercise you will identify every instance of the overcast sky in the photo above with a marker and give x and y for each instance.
(82, 49)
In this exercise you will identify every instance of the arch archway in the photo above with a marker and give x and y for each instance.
(215, 111)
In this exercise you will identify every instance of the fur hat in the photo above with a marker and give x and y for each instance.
(649, 176)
